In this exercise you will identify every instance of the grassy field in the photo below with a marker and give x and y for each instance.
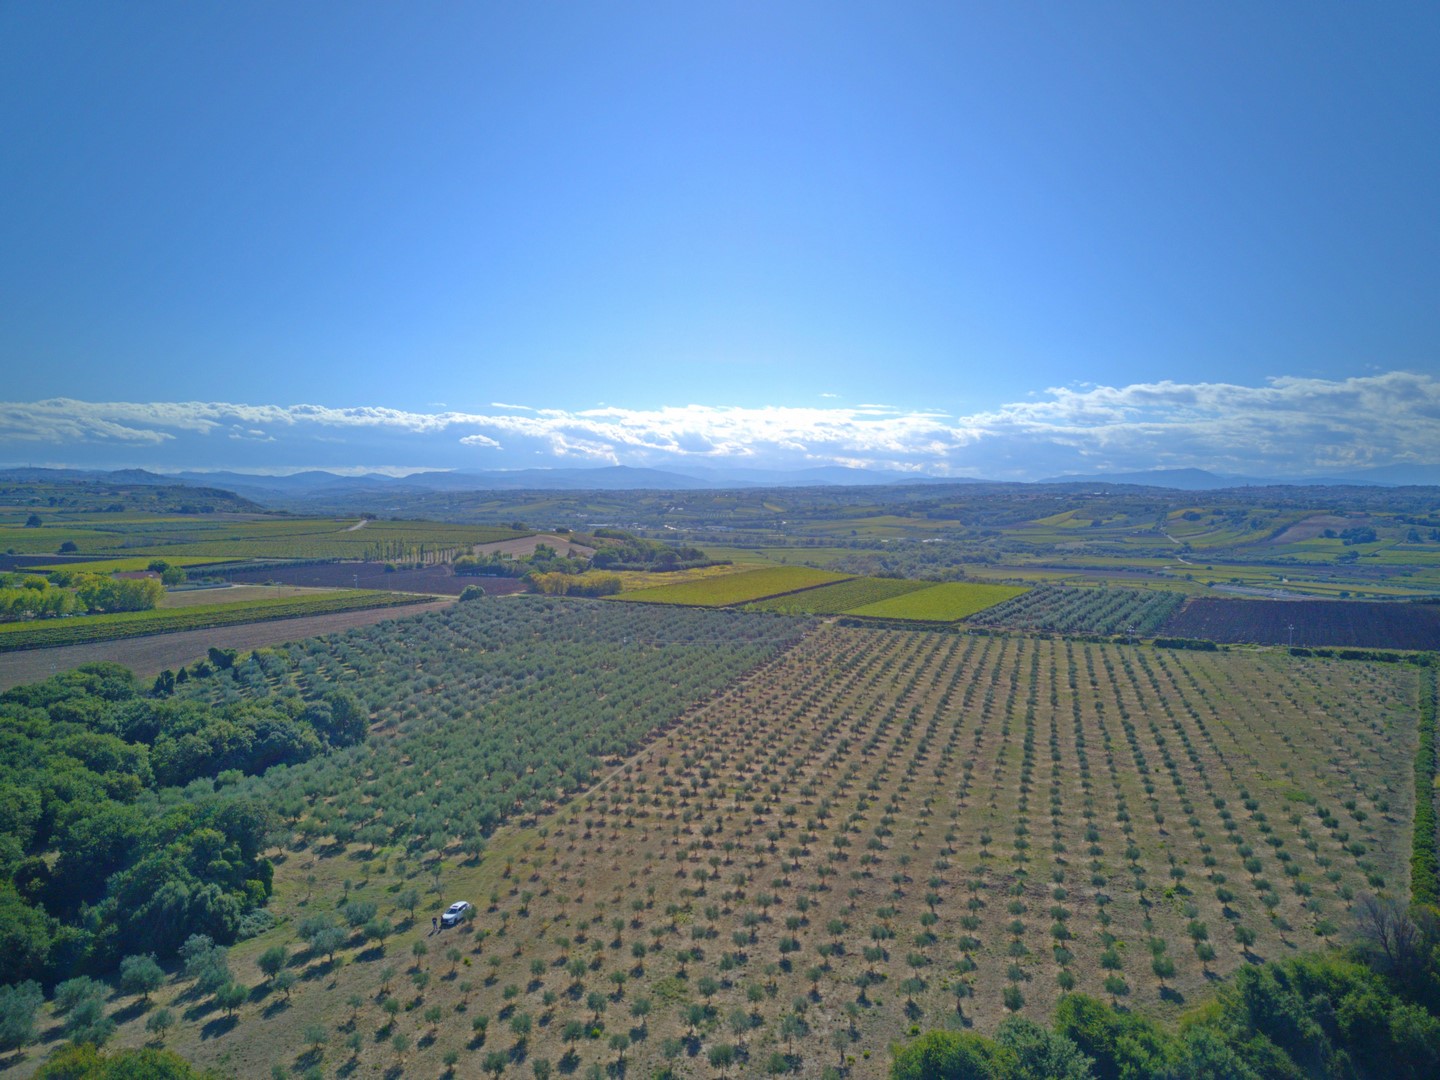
(946, 602)
(122, 566)
(736, 588)
(798, 554)
(238, 594)
(873, 833)
(234, 537)
(840, 597)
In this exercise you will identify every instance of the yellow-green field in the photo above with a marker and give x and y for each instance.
(946, 602)
(125, 566)
(841, 597)
(736, 588)
(222, 538)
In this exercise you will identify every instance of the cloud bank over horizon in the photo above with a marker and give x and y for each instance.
(1285, 427)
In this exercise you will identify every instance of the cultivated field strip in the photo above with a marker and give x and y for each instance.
(899, 828)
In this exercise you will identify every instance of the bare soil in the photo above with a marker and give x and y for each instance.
(233, 594)
(437, 579)
(148, 656)
(1357, 624)
(525, 546)
(1314, 526)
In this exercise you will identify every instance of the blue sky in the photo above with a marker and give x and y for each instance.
(997, 239)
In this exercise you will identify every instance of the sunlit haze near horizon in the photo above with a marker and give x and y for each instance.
(1005, 240)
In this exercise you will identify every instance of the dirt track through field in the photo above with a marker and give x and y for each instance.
(148, 656)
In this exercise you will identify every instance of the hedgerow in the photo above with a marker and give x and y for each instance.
(1424, 863)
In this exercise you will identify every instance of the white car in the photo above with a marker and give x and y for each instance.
(455, 912)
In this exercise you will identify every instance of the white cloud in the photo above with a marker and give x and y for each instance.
(1287, 424)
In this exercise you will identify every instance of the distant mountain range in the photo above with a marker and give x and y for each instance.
(605, 478)
(1202, 480)
(264, 488)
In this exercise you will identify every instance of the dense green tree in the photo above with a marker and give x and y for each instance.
(1119, 1044)
(86, 1021)
(230, 996)
(19, 1003)
(951, 1055)
(26, 933)
(359, 912)
(140, 974)
(94, 843)
(1039, 1053)
(205, 962)
(85, 1062)
(272, 961)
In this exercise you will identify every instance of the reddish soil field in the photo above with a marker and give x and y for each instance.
(436, 579)
(1354, 624)
(148, 656)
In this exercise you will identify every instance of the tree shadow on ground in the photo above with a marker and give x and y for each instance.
(129, 1012)
(308, 1059)
(219, 1026)
(199, 1010)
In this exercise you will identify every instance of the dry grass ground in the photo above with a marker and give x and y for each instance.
(523, 547)
(236, 594)
(877, 833)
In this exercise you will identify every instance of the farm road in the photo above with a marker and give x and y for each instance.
(148, 656)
